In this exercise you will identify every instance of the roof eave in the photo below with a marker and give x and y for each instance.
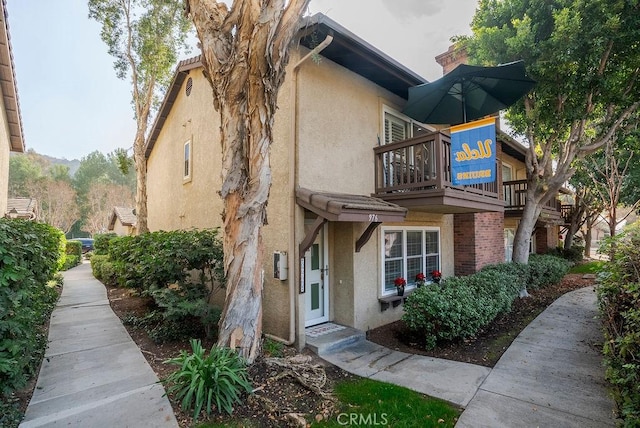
(8, 85)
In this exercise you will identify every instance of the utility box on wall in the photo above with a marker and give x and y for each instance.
(280, 266)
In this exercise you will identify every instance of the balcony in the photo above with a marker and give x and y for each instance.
(416, 174)
(515, 196)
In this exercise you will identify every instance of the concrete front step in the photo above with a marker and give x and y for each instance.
(336, 338)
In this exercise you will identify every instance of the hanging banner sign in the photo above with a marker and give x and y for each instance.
(473, 152)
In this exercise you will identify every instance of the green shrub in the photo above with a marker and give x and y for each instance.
(204, 381)
(574, 254)
(101, 242)
(70, 261)
(460, 306)
(30, 254)
(619, 304)
(73, 248)
(159, 259)
(545, 270)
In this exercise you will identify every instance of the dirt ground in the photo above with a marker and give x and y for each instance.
(281, 400)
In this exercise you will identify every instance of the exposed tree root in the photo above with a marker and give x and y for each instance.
(299, 367)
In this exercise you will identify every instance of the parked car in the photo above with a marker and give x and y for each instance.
(87, 244)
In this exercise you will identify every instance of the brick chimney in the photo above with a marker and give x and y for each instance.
(455, 55)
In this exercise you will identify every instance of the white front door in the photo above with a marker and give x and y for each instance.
(316, 282)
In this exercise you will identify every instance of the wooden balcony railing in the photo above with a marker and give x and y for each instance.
(421, 164)
(515, 197)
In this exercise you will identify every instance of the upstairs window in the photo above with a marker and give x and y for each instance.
(187, 161)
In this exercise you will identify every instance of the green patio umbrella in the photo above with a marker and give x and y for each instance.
(467, 93)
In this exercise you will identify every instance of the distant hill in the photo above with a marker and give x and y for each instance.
(72, 164)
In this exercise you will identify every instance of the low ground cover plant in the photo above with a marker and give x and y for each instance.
(460, 307)
(30, 255)
(619, 303)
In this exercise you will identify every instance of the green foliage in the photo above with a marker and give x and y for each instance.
(70, 261)
(159, 259)
(206, 381)
(383, 404)
(590, 267)
(573, 254)
(73, 254)
(545, 270)
(178, 269)
(73, 248)
(272, 348)
(619, 303)
(460, 306)
(101, 242)
(30, 255)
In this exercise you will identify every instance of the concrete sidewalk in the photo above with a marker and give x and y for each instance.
(550, 376)
(93, 374)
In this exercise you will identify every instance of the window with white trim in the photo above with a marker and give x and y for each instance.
(408, 251)
(509, 235)
(398, 127)
(187, 161)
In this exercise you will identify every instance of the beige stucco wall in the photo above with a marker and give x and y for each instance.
(4, 162)
(121, 229)
(519, 171)
(172, 202)
(339, 119)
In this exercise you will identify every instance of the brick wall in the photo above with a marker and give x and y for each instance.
(478, 240)
(546, 238)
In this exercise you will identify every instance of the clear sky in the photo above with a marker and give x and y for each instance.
(72, 103)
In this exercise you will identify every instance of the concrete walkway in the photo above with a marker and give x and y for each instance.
(93, 374)
(550, 376)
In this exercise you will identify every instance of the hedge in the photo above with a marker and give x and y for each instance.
(178, 269)
(30, 254)
(619, 304)
(459, 307)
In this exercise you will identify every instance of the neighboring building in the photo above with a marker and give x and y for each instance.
(11, 139)
(123, 221)
(23, 208)
(361, 193)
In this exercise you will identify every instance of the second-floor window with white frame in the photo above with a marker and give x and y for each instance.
(408, 251)
(187, 161)
(398, 127)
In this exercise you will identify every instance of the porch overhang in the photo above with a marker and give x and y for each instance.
(347, 207)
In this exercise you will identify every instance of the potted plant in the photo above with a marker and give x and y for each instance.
(420, 279)
(436, 276)
(400, 283)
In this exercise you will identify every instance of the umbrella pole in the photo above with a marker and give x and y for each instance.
(464, 104)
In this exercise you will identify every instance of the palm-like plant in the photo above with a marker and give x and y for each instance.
(203, 380)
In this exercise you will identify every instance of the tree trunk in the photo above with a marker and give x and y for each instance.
(245, 52)
(141, 183)
(526, 227)
(587, 240)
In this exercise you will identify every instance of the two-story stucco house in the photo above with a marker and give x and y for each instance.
(11, 139)
(361, 193)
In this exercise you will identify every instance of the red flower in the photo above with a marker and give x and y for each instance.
(435, 274)
(420, 277)
(400, 282)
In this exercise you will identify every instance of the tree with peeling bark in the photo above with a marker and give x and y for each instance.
(145, 37)
(245, 49)
(585, 59)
